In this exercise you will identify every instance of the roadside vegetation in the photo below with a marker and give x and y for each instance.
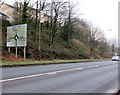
(48, 62)
(63, 37)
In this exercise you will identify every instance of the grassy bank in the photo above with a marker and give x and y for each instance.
(30, 62)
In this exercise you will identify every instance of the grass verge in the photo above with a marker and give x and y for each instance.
(30, 62)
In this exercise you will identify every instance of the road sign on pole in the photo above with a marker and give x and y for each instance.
(19, 33)
(17, 37)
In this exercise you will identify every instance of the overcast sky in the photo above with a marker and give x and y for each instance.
(101, 13)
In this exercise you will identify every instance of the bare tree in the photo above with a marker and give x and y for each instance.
(70, 22)
(95, 36)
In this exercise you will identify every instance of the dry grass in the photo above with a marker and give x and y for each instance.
(12, 58)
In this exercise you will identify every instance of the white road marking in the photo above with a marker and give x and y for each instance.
(96, 65)
(51, 73)
(80, 68)
(89, 66)
(113, 90)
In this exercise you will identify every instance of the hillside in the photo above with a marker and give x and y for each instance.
(60, 36)
(58, 50)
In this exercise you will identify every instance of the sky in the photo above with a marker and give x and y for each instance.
(103, 14)
(100, 13)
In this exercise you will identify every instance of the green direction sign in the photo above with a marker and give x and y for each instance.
(42, 12)
(42, 17)
(17, 33)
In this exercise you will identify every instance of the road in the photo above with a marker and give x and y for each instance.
(86, 77)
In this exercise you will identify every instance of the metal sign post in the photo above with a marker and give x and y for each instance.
(16, 47)
(8, 49)
(16, 38)
(42, 20)
(24, 53)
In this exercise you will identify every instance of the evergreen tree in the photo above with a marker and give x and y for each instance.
(25, 12)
